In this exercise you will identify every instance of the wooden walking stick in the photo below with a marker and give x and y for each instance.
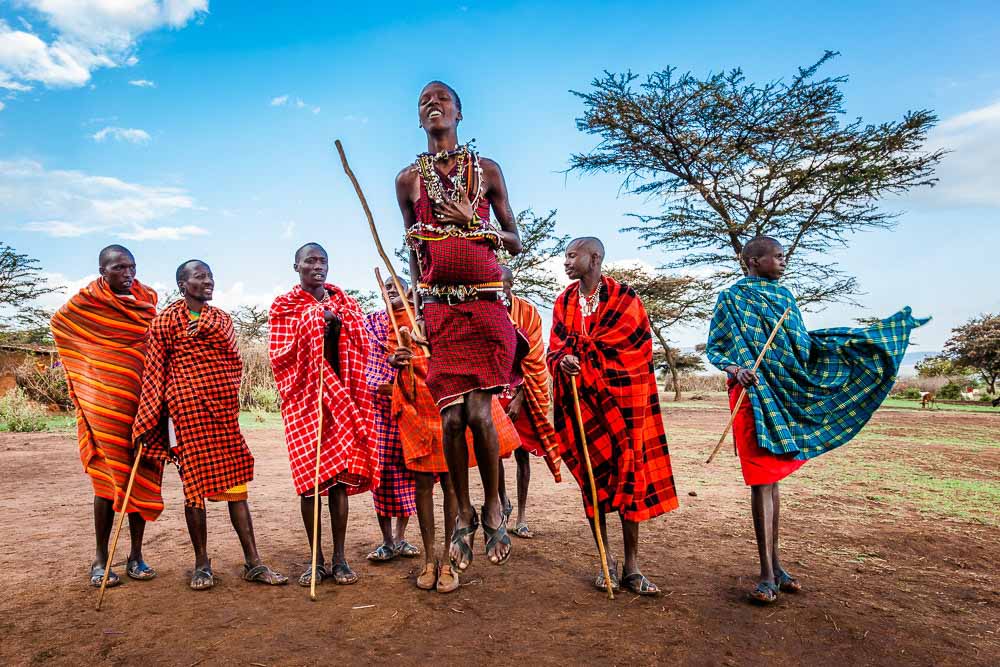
(417, 334)
(593, 489)
(316, 504)
(118, 530)
(739, 400)
(392, 316)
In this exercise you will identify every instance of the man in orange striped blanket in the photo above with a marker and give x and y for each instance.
(100, 335)
(527, 402)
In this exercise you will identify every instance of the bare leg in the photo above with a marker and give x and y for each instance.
(763, 521)
(502, 483)
(425, 513)
(197, 523)
(456, 452)
(104, 519)
(384, 525)
(306, 505)
(338, 517)
(239, 515)
(450, 503)
(523, 479)
(612, 563)
(401, 523)
(478, 411)
(776, 508)
(136, 530)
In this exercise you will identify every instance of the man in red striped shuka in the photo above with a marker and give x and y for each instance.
(189, 412)
(445, 198)
(100, 335)
(602, 341)
(318, 323)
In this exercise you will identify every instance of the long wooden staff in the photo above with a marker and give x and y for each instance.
(739, 400)
(378, 243)
(392, 316)
(316, 504)
(593, 489)
(118, 530)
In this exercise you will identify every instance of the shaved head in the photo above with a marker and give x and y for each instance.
(402, 282)
(506, 274)
(184, 269)
(758, 246)
(454, 95)
(309, 246)
(589, 244)
(108, 254)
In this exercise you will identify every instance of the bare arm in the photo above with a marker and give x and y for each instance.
(496, 193)
(405, 182)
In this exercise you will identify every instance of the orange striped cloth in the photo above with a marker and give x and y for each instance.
(544, 441)
(101, 340)
(419, 420)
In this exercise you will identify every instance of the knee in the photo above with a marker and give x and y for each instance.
(425, 483)
(481, 417)
(452, 424)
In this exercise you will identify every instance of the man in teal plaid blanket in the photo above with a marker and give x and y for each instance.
(813, 392)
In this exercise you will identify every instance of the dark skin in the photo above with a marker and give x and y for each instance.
(391, 539)
(197, 288)
(583, 262)
(439, 117)
(118, 270)
(514, 411)
(765, 499)
(312, 265)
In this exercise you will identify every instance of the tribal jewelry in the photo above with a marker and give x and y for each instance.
(590, 304)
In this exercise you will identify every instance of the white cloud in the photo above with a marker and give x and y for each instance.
(298, 103)
(142, 83)
(2, 105)
(288, 228)
(72, 203)
(236, 295)
(351, 118)
(967, 174)
(83, 35)
(131, 135)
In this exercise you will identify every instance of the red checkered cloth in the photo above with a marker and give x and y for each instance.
(397, 489)
(472, 344)
(537, 435)
(348, 454)
(618, 400)
(193, 377)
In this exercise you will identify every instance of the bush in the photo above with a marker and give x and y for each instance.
(47, 386)
(265, 399)
(950, 392)
(257, 388)
(908, 392)
(20, 414)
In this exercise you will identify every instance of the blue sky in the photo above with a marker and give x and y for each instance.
(187, 128)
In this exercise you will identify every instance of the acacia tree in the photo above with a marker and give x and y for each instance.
(731, 159)
(976, 345)
(21, 282)
(251, 323)
(669, 301)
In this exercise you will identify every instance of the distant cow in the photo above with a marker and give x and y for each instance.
(927, 399)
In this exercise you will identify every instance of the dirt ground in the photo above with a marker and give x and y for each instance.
(893, 537)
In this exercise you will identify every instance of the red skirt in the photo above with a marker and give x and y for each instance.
(758, 464)
(530, 442)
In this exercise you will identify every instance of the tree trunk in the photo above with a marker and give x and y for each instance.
(669, 356)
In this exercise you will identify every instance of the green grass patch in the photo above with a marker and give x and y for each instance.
(907, 404)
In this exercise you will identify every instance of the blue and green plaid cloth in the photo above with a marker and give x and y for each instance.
(817, 389)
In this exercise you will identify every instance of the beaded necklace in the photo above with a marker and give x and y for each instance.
(432, 179)
(590, 304)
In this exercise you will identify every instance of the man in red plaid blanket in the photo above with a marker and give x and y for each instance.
(445, 198)
(319, 324)
(601, 340)
(397, 489)
(189, 411)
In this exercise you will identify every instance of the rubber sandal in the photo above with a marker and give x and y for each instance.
(639, 584)
(139, 570)
(496, 536)
(406, 550)
(615, 581)
(262, 574)
(787, 583)
(508, 509)
(427, 580)
(764, 593)
(343, 575)
(202, 579)
(447, 580)
(382, 554)
(305, 579)
(97, 576)
(458, 539)
(521, 530)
